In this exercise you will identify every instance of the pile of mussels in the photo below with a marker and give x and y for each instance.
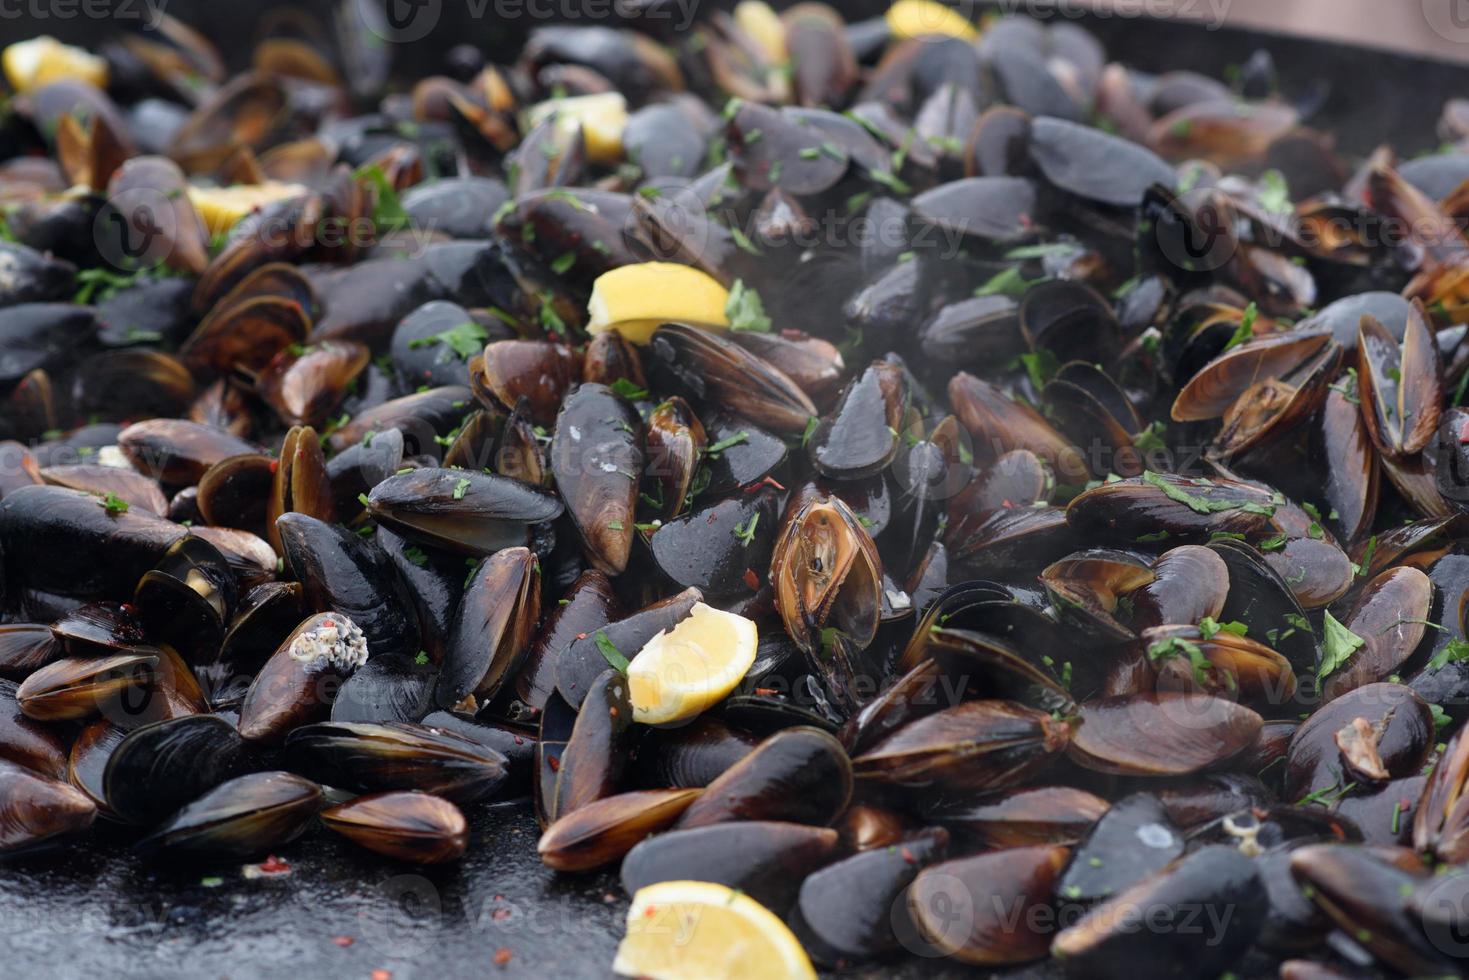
(1084, 443)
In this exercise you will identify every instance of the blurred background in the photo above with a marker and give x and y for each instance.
(1373, 70)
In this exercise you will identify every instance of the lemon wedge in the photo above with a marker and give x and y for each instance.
(635, 299)
(221, 207)
(927, 18)
(602, 118)
(43, 60)
(763, 25)
(682, 929)
(692, 667)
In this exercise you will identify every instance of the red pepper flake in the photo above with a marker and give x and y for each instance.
(1024, 219)
(650, 911)
(275, 464)
(500, 915)
(1007, 505)
(1405, 804)
(382, 975)
(906, 855)
(343, 941)
(1464, 431)
(329, 624)
(768, 481)
(273, 865)
(752, 580)
(766, 692)
(554, 763)
(612, 711)
(712, 518)
(581, 636)
(502, 956)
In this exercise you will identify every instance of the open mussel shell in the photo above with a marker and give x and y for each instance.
(971, 748)
(1366, 893)
(1401, 386)
(800, 775)
(243, 818)
(1441, 821)
(1218, 385)
(674, 442)
(1088, 585)
(160, 767)
(1387, 724)
(491, 629)
(826, 573)
(370, 758)
(1261, 599)
(36, 810)
(300, 484)
(75, 688)
(602, 831)
(418, 828)
(845, 911)
(986, 887)
(1103, 945)
(188, 599)
(766, 860)
(1162, 734)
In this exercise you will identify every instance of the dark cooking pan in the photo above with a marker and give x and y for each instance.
(333, 912)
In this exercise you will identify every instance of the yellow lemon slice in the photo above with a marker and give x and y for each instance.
(221, 207)
(677, 930)
(43, 60)
(927, 18)
(763, 25)
(635, 299)
(691, 667)
(602, 118)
